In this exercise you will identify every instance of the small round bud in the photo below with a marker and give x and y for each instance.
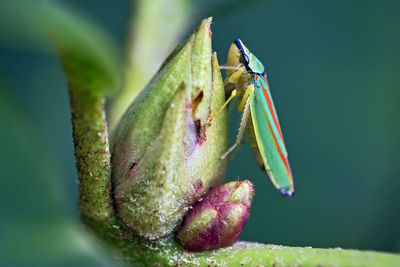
(218, 218)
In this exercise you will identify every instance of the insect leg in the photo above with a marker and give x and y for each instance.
(229, 68)
(233, 94)
(234, 77)
(248, 93)
(243, 121)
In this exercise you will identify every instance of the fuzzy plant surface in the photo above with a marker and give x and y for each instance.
(165, 159)
(163, 156)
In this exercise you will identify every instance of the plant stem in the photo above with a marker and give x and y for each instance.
(92, 153)
(254, 254)
(166, 252)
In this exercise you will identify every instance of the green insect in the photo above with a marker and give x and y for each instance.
(246, 74)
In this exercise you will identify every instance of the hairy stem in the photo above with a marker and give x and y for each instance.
(166, 252)
(91, 153)
(254, 254)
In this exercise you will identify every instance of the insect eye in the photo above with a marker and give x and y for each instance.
(245, 58)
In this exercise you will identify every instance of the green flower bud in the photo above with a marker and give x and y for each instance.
(217, 220)
(164, 153)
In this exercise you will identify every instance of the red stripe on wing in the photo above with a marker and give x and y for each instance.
(271, 108)
(283, 157)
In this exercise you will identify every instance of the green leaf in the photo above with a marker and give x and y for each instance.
(41, 25)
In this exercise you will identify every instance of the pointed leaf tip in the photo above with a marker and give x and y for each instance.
(162, 165)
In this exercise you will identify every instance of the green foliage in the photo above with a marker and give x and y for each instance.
(90, 51)
(150, 40)
(34, 227)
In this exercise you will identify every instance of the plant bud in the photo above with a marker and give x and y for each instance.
(218, 218)
(165, 155)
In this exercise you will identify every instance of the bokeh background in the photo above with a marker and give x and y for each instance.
(333, 67)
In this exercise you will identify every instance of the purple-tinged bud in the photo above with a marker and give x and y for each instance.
(218, 218)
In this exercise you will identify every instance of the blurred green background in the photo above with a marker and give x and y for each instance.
(333, 67)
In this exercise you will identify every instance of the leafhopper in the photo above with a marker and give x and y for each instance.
(247, 79)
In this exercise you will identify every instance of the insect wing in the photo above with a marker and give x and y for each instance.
(269, 138)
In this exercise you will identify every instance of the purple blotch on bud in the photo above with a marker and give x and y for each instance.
(218, 218)
(165, 155)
